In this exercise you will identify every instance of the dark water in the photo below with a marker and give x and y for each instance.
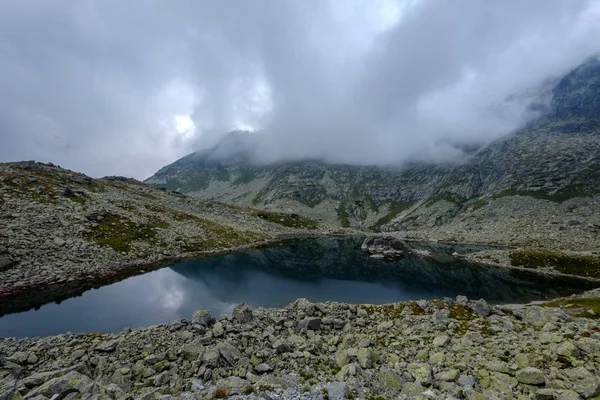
(331, 269)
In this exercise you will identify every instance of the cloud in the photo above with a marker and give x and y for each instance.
(112, 87)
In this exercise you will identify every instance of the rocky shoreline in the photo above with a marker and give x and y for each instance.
(439, 349)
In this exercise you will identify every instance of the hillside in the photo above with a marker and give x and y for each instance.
(62, 228)
(539, 186)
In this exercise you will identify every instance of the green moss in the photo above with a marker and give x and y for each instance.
(584, 307)
(557, 196)
(395, 208)
(218, 236)
(289, 220)
(120, 232)
(81, 199)
(479, 204)
(445, 196)
(573, 264)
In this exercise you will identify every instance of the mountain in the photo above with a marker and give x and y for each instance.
(538, 185)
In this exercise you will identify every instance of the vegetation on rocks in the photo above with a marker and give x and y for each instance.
(579, 307)
(121, 232)
(421, 349)
(573, 264)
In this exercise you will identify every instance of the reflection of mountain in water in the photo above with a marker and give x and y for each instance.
(313, 260)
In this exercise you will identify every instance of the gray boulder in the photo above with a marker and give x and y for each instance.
(72, 382)
(242, 313)
(202, 318)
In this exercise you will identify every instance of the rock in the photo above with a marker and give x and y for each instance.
(313, 324)
(59, 242)
(362, 313)
(262, 368)
(242, 313)
(447, 375)
(229, 353)
(202, 318)
(481, 307)
(365, 357)
(384, 326)
(108, 346)
(538, 316)
(385, 247)
(462, 299)
(72, 382)
(338, 390)
(68, 192)
(584, 382)
(233, 385)
(421, 372)
(441, 341)
(218, 330)
(530, 376)
(19, 357)
(37, 379)
(466, 381)
(281, 346)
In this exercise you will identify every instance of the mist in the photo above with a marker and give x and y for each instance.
(110, 87)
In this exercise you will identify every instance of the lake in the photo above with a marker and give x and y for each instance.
(325, 269)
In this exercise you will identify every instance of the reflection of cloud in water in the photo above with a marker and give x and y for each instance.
(334, 270)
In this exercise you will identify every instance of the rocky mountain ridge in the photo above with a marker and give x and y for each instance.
(552, 165)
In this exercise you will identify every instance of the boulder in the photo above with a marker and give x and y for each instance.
(530, 376)
(72, 382)
(242, 313)
(202, 318)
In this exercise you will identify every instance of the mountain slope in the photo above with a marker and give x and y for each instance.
(552, 165)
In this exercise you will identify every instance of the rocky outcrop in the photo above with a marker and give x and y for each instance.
(386, 247)
(425, 349)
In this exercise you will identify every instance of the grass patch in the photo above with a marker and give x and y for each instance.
(479, 204)
(220, 393)
(289, 220)
(588, 307)
(445, 196)
(220, 236)
(395, 208)
(120, 232)
(557, 196)
(573, 264)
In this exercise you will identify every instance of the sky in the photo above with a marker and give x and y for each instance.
(111, 87)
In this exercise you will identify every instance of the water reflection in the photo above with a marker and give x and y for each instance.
(323, 270)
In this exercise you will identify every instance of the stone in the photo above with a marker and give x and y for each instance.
(218, 330)
(441, 340)
(313, 324)
(538, 316)
(263, 367)
(202, 318)
(107, 346)
(466, 381)
(530, 376)
(242, 313)
(365, 357)
(584, 382)
(211, 357)
(338, 390)
(233, 385)
(447, 375)
(481, 307)
(281, 346)
(384, 326)
(72, 382)
(229, 352)
(420, 372)
(362, 313)
(462, 299)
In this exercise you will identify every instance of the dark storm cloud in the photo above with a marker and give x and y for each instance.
(95, 85)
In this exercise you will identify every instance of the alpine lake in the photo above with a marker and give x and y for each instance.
(323, 269)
